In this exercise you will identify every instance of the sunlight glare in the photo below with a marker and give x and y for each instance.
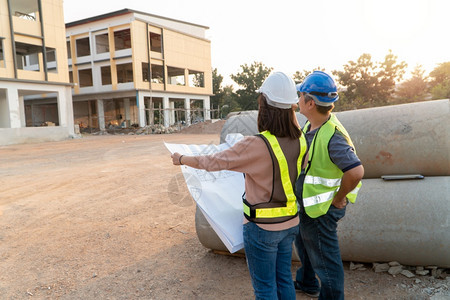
(396, 20)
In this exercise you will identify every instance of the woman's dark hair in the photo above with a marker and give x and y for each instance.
(279, 122)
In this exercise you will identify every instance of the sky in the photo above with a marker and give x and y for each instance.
(297, 35)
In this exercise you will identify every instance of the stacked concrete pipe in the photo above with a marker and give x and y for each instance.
(393, 220)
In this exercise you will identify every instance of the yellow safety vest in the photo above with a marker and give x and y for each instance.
(277, 211)
(323, 177)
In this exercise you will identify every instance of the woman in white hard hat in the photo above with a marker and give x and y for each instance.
(271, 162)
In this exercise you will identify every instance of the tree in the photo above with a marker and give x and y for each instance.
(389, 73)
(217, 100)
(229, 101)
(414, 89)
(299, 76)
(440, 81)
(366, 83)
(250, 79)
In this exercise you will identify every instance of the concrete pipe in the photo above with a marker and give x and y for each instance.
(399, 139)
(206, 235)
(402, 139)
(244, 122)
(405, 220)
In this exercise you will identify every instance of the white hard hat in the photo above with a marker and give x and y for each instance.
(279, 90)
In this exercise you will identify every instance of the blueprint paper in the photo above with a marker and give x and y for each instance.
(217, 194)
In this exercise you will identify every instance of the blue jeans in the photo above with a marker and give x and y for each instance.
(269, 255)
(318, 249)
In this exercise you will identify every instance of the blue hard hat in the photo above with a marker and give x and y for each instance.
(321, 87)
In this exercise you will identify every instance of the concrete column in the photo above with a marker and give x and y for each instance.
(12, 96)
(126, 107)
(91, 123)
(23, 121)
(141, 109)
(187, 107)
(101, 114)
(151, 114)
(206, 109)
(166, 107)
(4, 110)
(65, 109)
(69, 120)
(172, 113)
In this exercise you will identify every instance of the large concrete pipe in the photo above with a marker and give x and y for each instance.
(409, 138)
(405, 220)
(400, 220)
(206, 235)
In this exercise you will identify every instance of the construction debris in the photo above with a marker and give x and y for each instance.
(395, 268)
(207, 127)
(436, 285)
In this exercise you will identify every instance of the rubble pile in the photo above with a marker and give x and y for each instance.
(150, 129)
(427, 280)
(207, 127)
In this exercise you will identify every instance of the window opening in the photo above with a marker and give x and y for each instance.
(102, 43)
(51, 60)
(37, 115)
(2, 58)
(155, 42)
(157, 74)
(106, 75)
(27, 56)
(25, 9)
(175, 76)
(85, 77)
(83, 48)
(69, 54)
(145, 76)
(122, 39)
(124, 73)
(196, 78)
(70, 76)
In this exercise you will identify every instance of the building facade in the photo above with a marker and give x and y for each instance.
(131, 68)
(35, 92)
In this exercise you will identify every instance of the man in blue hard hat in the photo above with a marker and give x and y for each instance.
(331, 179)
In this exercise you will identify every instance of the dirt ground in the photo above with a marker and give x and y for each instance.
(96, 218)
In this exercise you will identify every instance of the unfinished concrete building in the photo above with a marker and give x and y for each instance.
(131, 68)
(35, 93)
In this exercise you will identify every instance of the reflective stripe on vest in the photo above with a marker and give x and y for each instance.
(322, 198)
(322, 183)
(290, 208)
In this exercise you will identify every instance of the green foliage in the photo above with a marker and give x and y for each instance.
(441, 91)
(217, 79)
(224, 99)
(250, 79)
(230, 102)
(414, 89)
(440, 83)
(367, 83)
(362, 83)
(299, 76)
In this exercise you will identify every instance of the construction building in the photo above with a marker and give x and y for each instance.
(131, 68)
(35, 92)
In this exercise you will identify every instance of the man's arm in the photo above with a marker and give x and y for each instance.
(349, 181)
